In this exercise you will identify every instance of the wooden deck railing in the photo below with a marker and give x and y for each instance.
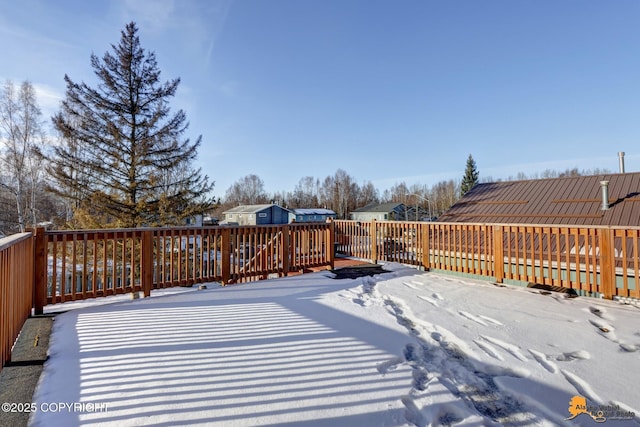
(76, 265)
(16, 289)
(596, 261)
(47, 267)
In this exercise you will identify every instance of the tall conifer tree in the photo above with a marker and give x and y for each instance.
(470, 178)
(130, 151)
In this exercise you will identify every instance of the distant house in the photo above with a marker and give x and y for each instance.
(311, 215)
(582, 200)
(421, 214)
(380, 212)
(257, 215)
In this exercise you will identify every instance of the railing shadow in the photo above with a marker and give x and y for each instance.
(229, 356)
(266, 353)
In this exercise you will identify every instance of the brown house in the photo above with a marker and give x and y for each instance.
(608, 199)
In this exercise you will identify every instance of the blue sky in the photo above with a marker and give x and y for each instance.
(389, 91)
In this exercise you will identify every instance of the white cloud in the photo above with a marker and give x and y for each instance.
(219, 12)
(29, 36)
(197, 25)
(48, 98)
(155, 16)
(228, 89)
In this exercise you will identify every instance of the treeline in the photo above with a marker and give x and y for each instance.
(339, 192)
(342, 193)
(551, 173)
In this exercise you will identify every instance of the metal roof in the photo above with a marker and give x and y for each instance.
(252, 208)
(572, 200)
(379, 207)
(313, 211)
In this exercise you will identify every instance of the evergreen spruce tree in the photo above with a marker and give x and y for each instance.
(470, 178)
(124, 160)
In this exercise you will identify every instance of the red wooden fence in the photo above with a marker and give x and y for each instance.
(598, 261)
(16, 289)
(75, 265)
(57, 266)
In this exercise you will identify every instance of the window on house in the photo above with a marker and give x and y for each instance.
(262, 215)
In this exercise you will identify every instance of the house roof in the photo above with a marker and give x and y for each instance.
(379, 207)
(252, 208)
(572, 200)
(313, 211)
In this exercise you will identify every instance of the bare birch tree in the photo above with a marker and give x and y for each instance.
(306, 194)
(340, 193)
(20, 133)
(248, 190)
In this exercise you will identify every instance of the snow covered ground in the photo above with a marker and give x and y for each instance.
(402, 348)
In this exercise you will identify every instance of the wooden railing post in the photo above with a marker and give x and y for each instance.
(607, 262)
(373, 237)
(331, 242)
(146, 274)
(426, 246)
(226, 255)
(40, 270)
(498, 253)
(284, 250)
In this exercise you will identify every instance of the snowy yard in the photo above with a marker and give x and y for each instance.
(402, 348)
